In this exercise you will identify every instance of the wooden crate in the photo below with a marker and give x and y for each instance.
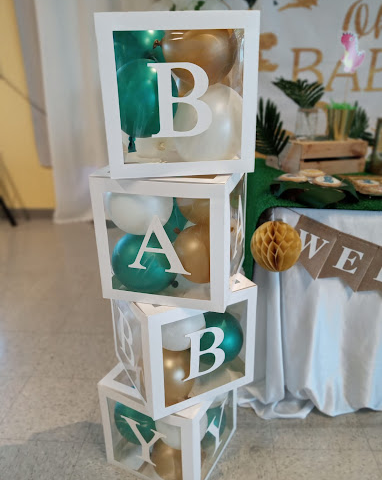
(331, 156)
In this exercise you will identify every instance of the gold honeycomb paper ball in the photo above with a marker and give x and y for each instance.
(276, 246)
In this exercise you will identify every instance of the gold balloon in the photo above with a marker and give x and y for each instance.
(167, 460)
(197, 210)
(276, 246)
(214, 51)
(193, 249)
(176, 367)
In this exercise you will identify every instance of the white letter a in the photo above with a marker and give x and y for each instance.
(167, 248)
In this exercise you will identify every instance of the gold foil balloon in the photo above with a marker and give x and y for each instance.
(167, 460)
(176, 367)
(214, 51)
(197, 210)
(276, 246)
(193, 249)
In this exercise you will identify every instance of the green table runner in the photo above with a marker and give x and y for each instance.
(260, 198)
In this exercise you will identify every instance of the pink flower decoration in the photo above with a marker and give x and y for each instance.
(352, 58)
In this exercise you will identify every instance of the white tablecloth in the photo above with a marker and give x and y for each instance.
(318, 343)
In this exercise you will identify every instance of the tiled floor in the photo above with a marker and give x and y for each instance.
(56, 343)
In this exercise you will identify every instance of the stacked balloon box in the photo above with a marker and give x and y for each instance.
(185, 445)
(180, 100)
(179, 93)
(175, 241)
(177, 357)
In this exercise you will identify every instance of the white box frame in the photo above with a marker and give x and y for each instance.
(187, 420)
(151, 318)
(217, 189)
(107, 23)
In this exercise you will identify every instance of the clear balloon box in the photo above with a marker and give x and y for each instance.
(170, 241)
(181, 446)
(179, 91)
(177, 357)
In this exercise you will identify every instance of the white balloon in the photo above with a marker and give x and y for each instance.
(173, 334)
(134, 213)
(157, 148)
(222, 140)
(173, 433)
(131, 456)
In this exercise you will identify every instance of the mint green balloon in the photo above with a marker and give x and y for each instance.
(233, 336)
(130, 46)
(153, 278)
(145, 427)
(138, 98)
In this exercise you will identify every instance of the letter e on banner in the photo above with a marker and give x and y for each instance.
(166, 100)
(349, 259)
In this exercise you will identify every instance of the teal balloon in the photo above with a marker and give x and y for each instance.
(213, 414)
(145, 427)
(233, 336)
(130, 46)
(153, 278)
(175, 223)
(138, 98)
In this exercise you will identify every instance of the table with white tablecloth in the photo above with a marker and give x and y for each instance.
(318, 343)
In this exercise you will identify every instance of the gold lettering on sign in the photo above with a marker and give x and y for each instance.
(357, 17)
(268, 40)
(309, 68)
(335, 74)
(373, 70)
(300, 4)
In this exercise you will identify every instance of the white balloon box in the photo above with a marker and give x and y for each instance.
(178, 357)
(179, 91)
(183, 446)
(170, 241)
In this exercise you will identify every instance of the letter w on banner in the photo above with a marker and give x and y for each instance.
(317, 242)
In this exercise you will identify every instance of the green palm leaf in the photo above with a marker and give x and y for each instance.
(305, 94)
(271, 138)
(360, 125)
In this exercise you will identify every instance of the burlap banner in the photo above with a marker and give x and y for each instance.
(327, 253)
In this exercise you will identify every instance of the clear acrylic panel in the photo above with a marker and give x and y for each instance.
(220, 423)
(142, 445)
(159, 245)
(237, 200)
(214, 74)
(183, 370)
(128, 334)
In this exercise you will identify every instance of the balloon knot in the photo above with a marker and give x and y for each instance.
(131, 147)
(157, 43)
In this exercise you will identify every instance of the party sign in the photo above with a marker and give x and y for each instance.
(327, 252)
(170, 241)
(185, 446)
(177, 357)
(179, 91)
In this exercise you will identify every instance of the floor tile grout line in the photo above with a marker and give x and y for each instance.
(376, 461)
(27, 378)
